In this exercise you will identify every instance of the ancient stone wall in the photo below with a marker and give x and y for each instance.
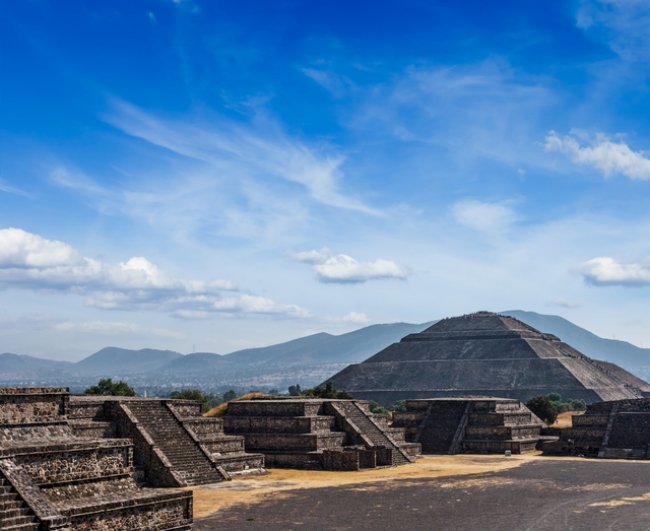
(342, 460)
(24, 405)
(74, 484)
(61, 463)
(470, 424)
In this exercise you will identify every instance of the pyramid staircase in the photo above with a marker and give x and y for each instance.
(174, 445)
(369, 431)
(469, 425)
(618, 429)
(15, 514)
(189, 463)
(50, 479)
(317, 434)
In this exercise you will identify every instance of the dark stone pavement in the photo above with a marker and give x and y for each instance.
(541, 495)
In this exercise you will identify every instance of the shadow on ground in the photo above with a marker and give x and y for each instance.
(538, 495)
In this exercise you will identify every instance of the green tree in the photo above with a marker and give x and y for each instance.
(294, 390)
(328, 392)
(229, 395)
(578, 405)
(107, 387)
(555, 397)
(192, 394)
(400, 405)
(543, 407)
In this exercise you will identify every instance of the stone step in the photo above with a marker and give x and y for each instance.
(16, 520)
(33, 526)
(14, 512)
(9, 496)
(14, 504)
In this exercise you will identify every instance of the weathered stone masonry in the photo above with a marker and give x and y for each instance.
(618, 429)
(318, 434)
(174, 445)
(50, 479)
(469, 425)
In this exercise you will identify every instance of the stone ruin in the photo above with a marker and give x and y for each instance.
(319, 434)
(469, 425)
(489, 355)
(618, 429)
(52, 480)
(173, 444)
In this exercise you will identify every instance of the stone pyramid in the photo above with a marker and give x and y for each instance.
(485, 354)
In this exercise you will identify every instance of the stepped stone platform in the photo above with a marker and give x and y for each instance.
(489, 355)
(52, 480)
(318, 434)
(174, 445)
(469, 425)
(617, 429)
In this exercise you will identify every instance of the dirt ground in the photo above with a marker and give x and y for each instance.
(255, 489)
(564, 419)
(460, 493)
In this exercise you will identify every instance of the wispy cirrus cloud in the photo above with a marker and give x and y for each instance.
(606, 271)
(343, 269)
(29, 261)
(607, 156)
(561, 302)
(9, 189)
(260, 151)
(471, 110)
(484, 216)
(623, 24)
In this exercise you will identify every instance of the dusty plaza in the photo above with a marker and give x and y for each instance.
(464, 493)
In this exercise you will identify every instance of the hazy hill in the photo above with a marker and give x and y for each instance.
(307, 360)
(352, 347)
(19, 363)
(622, 353)
(316, 349)
(113, 360)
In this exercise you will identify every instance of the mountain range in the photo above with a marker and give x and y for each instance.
(307, 361)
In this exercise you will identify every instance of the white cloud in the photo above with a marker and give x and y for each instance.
(605, 271)
(487, 217)
(121, 328)
(565, 303)
(310, 257)
(353, 318)
(344, 269)
(30, 261)
(100, 327)
(258, 305)
(608, 157)
(260, 151)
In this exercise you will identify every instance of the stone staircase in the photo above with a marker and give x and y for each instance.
(497, 426)
(317, 434)
(15, 514)
(189, 464)
(50, 479)
(618, 429)
(366, 427)
(469, 425)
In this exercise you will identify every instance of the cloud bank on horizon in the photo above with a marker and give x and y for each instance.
(176, 173)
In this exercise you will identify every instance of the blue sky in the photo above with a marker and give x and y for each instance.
(219, 175)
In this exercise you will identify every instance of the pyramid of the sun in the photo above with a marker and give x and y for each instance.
(488, 355)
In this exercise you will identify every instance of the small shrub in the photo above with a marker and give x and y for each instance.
(107, 387)
(543, 407)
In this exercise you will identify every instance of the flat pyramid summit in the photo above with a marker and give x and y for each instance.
(485, 354)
